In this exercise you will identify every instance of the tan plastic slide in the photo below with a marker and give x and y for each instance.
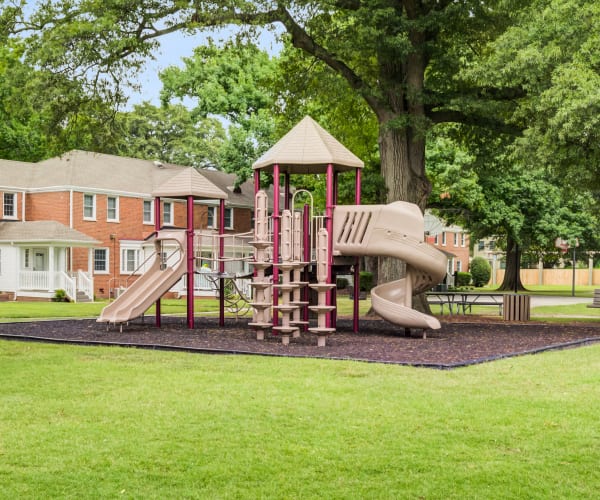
(394, 230)
(151, 285)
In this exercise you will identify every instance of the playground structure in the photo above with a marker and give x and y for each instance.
(296, 254)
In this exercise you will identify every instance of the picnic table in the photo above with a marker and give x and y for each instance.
(463, 301)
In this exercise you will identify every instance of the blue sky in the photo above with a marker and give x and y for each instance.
(174, 47)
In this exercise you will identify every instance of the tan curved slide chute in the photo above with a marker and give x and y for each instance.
(394, 230)
(151, 285)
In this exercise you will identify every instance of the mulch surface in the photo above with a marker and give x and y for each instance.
(461, 341)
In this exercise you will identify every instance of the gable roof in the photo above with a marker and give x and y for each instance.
(87, 171)
(44, 232)
(308, 148)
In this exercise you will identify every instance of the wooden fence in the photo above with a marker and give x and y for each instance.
(583, 277)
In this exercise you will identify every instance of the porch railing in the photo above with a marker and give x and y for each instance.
(63, 281)
(34, 280)
(85, 283)
(41, 281)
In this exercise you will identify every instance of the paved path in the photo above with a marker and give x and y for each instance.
(546, 300)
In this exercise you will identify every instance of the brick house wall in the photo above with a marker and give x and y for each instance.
(456, 243)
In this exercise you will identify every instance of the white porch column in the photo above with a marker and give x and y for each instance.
(90, 269)
(51, 269)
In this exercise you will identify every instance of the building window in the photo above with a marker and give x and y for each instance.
(436, 240)
(463, 239)
(444, 239)
(100, 260)
(129, 260)
(148, 212)
(229, 218)
(89, 206)
(492, 245)
(212, 217)
(112, 208)
(10, 205)
(455, 239)
(481, 245)
(213, 220)
(459, 266)
(168, 213)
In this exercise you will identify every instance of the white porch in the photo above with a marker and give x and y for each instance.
(43, 271)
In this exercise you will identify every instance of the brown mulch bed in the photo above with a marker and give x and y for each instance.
(461, 341)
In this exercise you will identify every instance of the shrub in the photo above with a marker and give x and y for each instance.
(481, 271)
(463, 279)
(60, 296)
(365, 281)
(341, 283)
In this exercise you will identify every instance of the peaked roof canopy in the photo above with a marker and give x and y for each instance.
(308, 148)
(189, 183)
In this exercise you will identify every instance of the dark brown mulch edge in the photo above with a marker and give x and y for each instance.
(458, 343)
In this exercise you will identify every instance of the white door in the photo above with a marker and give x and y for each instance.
(39, 260)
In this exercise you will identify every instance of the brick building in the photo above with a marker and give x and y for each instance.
(102, 214)
(452, 240)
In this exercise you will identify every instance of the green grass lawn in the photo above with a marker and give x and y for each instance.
(10, 311)
(79, 422)
(14, 311)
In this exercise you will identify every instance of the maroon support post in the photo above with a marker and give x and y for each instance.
(356, 313)
(157, 229)
(190, 261)
(329, 227)
(221, 263)
(276, 222)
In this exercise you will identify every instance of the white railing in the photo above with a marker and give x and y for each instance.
(85, 283)
(63, 281)
(34, 280)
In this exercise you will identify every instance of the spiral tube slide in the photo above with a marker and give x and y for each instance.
(151, 285)
(394, 230)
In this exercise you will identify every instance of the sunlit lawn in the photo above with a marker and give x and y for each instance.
(79, 422)
(9, 311)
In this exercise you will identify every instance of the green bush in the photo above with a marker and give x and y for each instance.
(463, 279)
(366, 281)
(481, 271)
(60, 296)
(341, 283)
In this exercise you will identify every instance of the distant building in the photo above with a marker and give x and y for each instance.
(81, 221)
(452, 240)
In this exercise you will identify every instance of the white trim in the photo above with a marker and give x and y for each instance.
(215, 218)
(15, 205)
(151, 221)
(171, 220)
(231, 221)
(116, 208)
(107, 260)
(93, 216)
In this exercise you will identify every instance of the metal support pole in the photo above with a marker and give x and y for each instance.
(157, 314)
(356, 284)
(221, 263)
(573, 286)
(329, 200)
(190, 262)
(276, 222)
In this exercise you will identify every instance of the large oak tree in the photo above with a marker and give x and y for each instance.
(401, 57)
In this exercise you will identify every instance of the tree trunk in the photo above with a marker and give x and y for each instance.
(403, 168)
(512, 273)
